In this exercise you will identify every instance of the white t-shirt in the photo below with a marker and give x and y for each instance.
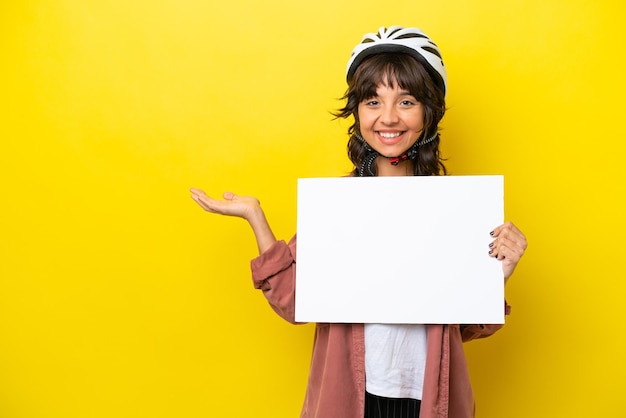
(395, 359)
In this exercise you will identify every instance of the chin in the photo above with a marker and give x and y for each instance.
(393, 153)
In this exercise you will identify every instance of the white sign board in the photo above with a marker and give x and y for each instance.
(399, 250)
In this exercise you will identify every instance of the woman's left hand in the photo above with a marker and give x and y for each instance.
(509, 246)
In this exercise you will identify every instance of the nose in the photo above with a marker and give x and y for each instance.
(389, 115)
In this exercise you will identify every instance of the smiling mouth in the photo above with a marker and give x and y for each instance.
(389, 135)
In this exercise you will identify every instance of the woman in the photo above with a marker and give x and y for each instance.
(396, 93)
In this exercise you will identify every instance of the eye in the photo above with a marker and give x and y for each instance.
(409, 101)
(370, 102)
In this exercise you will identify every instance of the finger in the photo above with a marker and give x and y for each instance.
(497, 231)
(195, 191)
(500, 255)
(229, 195)
(211, 205)
(511, 253)
(509, 231)
(517, 247)
(200, 202)
(493, 249)
(496, 249)
(513, 234)
(517, 242)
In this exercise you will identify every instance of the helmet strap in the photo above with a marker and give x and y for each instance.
(370, 157)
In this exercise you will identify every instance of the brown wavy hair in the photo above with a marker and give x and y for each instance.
(411, 75)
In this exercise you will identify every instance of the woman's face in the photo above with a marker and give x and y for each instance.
(391, 121)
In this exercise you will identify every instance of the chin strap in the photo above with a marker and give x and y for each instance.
(410, 154)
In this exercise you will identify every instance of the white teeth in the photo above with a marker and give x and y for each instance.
(389, 134)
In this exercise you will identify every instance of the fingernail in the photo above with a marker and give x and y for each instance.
(491, 245)
(490, 251)
(491, 233)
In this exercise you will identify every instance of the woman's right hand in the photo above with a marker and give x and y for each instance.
(246, 207)
(231, 205)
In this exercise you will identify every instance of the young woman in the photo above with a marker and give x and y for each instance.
(396, 93)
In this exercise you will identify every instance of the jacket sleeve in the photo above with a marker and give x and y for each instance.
(274, 273)
(472, 332)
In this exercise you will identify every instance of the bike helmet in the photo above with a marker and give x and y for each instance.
(410, 41)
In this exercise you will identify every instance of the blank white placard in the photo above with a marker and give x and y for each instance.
(399, 250)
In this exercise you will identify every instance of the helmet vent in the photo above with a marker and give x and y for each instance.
(432, 50)
(410, 35)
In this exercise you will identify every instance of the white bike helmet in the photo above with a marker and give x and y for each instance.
(411, 41)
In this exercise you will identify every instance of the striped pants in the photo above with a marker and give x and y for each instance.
(380, 407)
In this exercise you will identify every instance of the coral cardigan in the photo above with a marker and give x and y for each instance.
(336, 387)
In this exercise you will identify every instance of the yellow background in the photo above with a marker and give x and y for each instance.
(119, 297)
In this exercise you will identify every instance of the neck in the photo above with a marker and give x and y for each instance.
(384, 168)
